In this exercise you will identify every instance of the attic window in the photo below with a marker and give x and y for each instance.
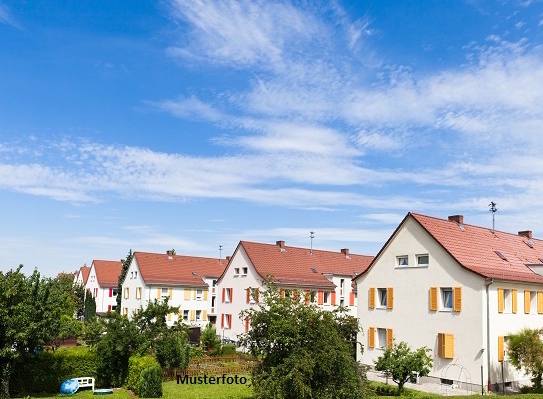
(530, 243)
(500, 255)
(314, 270)
(194, 273)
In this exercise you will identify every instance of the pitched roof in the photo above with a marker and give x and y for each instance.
(477, 249)
(85, 270)
(300, 266)
(107, 272)
(177, 269)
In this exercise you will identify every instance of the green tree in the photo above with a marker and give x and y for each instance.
(89, 310)
(27, 319)
(124, 270)
(209, 339)
(402, 363)
(303, 350)
(525, 350)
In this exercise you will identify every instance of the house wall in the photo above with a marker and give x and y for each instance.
(344, 294)
(101, 294)
(411, 319)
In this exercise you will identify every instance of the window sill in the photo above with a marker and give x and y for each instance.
(446, 310)
(412, 267)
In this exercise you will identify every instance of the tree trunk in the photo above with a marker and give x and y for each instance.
(5, 369)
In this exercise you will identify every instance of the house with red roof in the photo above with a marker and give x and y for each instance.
(102, 284)
(81, 276)
(187, 281)
(324, 276)
(457, 289)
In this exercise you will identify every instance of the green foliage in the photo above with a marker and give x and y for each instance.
(89, 310)
(151, 382)
(402, 363)
(29, 319)
(92, 331)
(46, 371)
(209, 339)
(120, 341)
(305, 352)
(228, 349)
(525, 351)
(136, 364)
(124, 270)
(172, 349)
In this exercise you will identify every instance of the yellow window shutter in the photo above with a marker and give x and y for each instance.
(192, 315)
(500, 349)
(205, 295)
(204, 315)
(170, 293)
(514, 301)
(371, 298)
(187, 294)
(390, 338)
(371, 337)
(526, 302)
(158, 291)
(449, 346)
(433, 298)
(169, 317)
(180, 315)
(501, 300)
(194, 296)
(457, 299)
(440, 344)
(539, 302)
(390, 298)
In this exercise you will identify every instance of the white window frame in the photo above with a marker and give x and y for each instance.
(227, 322)
(326, 297)
(245, 270)
(185, 315)
(198, 315)
(399, 261)
(442, 298)
(228, 295)
(162, 292)
(199, 294)
(236, 271)
(419, 256)
(381, 338)
(382, 298)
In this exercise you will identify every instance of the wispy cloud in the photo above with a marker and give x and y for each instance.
(6, 16)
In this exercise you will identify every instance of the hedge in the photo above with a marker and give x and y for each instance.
(46, 371)
(136, 365)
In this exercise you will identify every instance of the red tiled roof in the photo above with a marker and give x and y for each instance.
(85, 270)
(107, 272)
(177, 270)
(294, 265)
(475, 248)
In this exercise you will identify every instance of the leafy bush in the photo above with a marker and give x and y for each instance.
(46, 371)
(151, 382)
(229, 349)
(172, 350)
(209, 339)
(136, 364)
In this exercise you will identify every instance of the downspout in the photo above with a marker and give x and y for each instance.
(488, 283)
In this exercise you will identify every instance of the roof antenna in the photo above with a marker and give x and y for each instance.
(311, 235)
(220, 253)
(493, 209)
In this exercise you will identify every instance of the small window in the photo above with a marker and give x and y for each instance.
(402, 261)
(199, 294)
(228, 293)
(227, 321)
(135, 274)
(114, 307)
(214, 283)
(382, 294)
(185, 315)
(313, 296)
(446, 299)
(131, 274)
(165, 292)
(326, 298)
(115, 291)
(342, 302)
(236, 271)
(423, 260)
(198, 315)
(245, 271)
(382, 338)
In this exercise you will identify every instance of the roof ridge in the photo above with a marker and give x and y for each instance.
(304, 248)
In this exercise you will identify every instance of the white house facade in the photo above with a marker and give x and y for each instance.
(102, 284)
(457, 289)
(323, 276)
(187, 281)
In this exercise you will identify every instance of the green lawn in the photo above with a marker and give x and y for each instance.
(171, 390)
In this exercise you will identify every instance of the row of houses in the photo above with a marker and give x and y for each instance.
(456, 288)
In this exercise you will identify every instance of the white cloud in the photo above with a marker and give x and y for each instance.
(7, 17)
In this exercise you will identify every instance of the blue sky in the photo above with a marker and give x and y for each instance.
(191, 124)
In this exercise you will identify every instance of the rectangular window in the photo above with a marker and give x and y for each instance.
(446, 299)
(313, 296)
(245, 270)
(126, 293)
(227, 321)
(213, 299)
(402, 261)
(423, 260)
(131, 274)
(135, 274)
(115, 291)
(236, 271)
(382, 338)
(164, 292)
(326, 298)
(382, 297)
(342, 302)
(199, 294)
(228, 293)
(341, 286)
(125, 311)
(138, 293)
(198, 315)
(185, 315)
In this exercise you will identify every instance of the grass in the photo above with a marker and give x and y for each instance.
(172, 390)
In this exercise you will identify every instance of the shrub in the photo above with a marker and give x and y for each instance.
(151, 382)
(46, 371)
(172, 350)
(136, 364)
(229, 349)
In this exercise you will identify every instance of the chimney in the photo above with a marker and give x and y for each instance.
(457, 218)
(526, 233)
(345, 251)
(170, 253)
(122, 261)
(280, 244)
